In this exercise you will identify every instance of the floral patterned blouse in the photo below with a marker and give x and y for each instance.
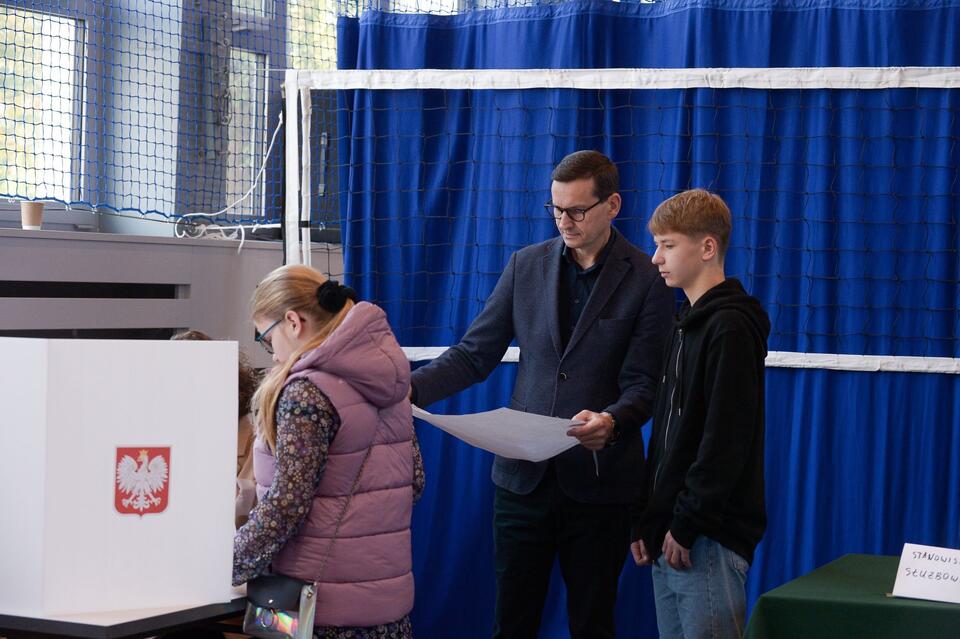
(306, 425)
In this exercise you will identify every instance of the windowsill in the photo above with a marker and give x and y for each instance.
(54, 219)
(80, 222)
(54, 234)
(50, 233)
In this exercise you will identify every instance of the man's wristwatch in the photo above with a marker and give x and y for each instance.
(615, 433)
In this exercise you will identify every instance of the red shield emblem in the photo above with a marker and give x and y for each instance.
(142, 480)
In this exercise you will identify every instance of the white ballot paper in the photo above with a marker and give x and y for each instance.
(507, 432)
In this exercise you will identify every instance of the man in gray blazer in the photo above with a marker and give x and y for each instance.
(590, 313)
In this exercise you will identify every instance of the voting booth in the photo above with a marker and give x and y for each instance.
(117, 484)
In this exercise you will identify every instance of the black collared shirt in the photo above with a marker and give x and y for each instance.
(576, 285)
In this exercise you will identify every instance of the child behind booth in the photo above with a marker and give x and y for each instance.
(248, 380)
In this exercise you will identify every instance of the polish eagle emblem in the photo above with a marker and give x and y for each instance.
(142, 480)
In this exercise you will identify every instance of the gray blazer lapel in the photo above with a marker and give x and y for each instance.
(614, 270)
(551, 292)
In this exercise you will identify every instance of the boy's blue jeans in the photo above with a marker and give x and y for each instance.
(706, 601)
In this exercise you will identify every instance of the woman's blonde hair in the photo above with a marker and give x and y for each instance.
(289, 288)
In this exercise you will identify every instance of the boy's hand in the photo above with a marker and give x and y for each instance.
(677, 556)
(640, 554)
(596, 430)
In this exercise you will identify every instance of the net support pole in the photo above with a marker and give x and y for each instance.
(306, 109)
(291, 209)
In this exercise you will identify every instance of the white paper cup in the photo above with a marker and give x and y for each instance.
(31, 215)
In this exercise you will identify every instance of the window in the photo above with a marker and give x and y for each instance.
(312, 34)
(247, 131)
(254, 7)
(257, 60)
(153, 109)
(440, 7)
(40, 146)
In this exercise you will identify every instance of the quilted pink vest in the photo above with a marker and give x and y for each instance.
(368, 578)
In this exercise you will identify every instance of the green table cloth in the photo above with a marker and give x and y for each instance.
(848, 598)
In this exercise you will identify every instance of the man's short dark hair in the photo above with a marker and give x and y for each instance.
(589, 164)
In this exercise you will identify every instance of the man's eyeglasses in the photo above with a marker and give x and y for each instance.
(261, 338)
(575, 213)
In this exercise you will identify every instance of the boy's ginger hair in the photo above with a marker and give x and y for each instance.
(694, 213)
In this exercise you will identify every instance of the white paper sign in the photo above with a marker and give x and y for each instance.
(928, 572)
(506, 432)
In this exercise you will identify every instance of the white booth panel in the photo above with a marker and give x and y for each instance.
(171, 400)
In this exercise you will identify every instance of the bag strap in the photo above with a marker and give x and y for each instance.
(343, 512)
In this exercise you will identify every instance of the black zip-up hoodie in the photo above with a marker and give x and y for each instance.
(704, 471)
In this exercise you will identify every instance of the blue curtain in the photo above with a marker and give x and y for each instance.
(845, 227)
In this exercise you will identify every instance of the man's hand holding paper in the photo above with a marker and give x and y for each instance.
(595, 430)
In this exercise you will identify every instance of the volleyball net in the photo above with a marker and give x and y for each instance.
(843, 182)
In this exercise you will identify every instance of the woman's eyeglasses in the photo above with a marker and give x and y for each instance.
(261, 338)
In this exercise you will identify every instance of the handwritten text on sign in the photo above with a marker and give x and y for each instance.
(928, 572)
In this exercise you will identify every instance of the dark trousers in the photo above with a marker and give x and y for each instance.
(591, 541)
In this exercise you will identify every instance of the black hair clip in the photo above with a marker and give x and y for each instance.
(332, 296)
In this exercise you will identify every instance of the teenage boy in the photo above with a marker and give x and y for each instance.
(703, 513)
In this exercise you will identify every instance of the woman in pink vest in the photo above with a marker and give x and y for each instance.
(337, 397)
